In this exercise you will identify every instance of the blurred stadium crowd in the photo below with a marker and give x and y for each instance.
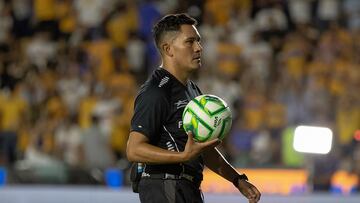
(69, 71)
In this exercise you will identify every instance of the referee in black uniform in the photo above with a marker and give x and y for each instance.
(173, 160)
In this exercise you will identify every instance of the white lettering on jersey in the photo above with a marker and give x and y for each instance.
(180, 124)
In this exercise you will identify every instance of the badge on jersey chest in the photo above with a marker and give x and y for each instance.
(181, 103)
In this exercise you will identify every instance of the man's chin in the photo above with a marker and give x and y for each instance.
(197, 66)
(194, 67)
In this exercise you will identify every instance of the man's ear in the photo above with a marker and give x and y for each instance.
(166, 49)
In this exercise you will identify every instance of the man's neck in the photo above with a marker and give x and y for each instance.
(181, 76)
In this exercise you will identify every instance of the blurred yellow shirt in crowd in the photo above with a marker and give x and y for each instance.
(347, 122)
(100, 52)
(12, 111)
(2, 100)
(219, 10)
(48, 142)
(295, 66)
(66, 16)
(120, 26)
(253, 118)
(229, 58)
(55, 107)
(275, 115)
(122, 85)
(344, 37)
(295, 61)
(85, 111)
(317, 67)
(48, 80)
(23, 140)
(121, 126)
(45, 10)
(119, 136)
(254, 111)
(339, 77)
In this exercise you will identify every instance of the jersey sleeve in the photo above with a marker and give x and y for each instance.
(150, 111)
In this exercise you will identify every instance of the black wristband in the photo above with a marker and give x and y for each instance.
(239, 177)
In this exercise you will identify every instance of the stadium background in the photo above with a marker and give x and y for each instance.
(69, 71)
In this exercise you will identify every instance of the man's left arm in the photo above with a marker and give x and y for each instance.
(216, 162)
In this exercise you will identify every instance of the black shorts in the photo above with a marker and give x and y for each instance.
(169, 191)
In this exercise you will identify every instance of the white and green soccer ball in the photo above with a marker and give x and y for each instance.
(207, 117)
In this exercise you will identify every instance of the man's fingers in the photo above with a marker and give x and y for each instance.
(211, 143)
(253, 195)
(190, 136)
(257, 193)
(250, 193)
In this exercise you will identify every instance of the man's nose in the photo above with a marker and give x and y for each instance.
(198, 47)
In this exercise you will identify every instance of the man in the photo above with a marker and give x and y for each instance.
(174, 161)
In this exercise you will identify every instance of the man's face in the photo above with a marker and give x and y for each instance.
(187, 48)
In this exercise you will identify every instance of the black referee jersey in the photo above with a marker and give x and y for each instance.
(158, 115)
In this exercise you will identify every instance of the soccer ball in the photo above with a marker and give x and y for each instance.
(207, 117)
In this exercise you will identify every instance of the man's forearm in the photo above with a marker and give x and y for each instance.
(217, 163)
(139, 150)
(147, 153)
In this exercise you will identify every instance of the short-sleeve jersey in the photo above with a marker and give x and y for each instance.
(158, 115)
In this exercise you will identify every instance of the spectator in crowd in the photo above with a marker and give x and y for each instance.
(96, 146)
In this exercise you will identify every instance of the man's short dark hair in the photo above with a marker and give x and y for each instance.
(170, 23)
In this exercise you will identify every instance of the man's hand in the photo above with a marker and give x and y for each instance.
(249, 191)
(193, 148)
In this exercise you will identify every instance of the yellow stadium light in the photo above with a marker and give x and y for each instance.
(311, 139)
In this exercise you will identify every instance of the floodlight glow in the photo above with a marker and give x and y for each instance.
(311, 139)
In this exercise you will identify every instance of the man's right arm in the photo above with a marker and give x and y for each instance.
(139, 150)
